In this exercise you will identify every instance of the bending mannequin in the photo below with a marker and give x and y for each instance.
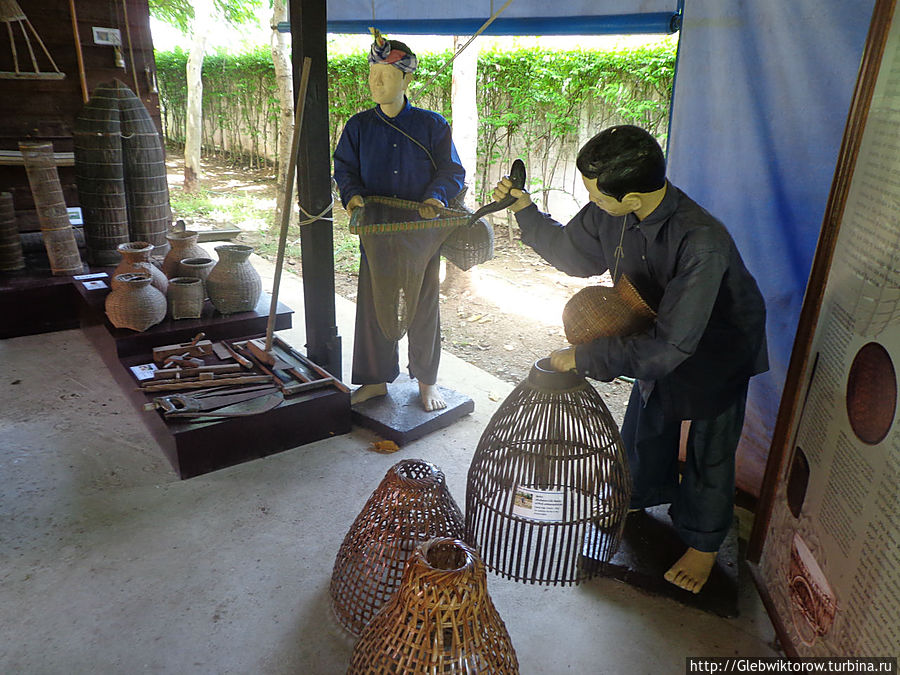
(396, 150)
(694, 363)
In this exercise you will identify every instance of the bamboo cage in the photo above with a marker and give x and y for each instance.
(56, 230)
(440, 620)
(411, 505)
(549, 485)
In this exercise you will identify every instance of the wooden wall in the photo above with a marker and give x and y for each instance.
(45, 109)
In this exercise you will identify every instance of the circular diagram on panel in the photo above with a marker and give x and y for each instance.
(871, 393)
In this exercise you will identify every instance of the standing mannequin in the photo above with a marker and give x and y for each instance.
(396, 150)
(694, 363)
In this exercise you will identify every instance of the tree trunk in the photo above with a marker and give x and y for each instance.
(284, 82)
(193, 135)
(465, 136)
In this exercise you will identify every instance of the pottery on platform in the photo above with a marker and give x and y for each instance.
(183, 245)
(135, 303)
(186, 296)
(234, 285)
(136, 260)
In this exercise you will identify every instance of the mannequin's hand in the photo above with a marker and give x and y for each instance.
(523, 199)
(426, 210)
(355, 202)
(563, 360)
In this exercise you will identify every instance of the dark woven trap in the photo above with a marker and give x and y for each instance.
(411, 505)
(549, 482)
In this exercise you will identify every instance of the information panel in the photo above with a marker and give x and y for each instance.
(830, 557)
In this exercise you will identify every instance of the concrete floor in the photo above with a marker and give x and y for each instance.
(111, 564)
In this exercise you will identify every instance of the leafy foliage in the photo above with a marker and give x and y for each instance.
(534, 103)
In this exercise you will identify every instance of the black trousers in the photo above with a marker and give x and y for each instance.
(702, 501)
(375, 357)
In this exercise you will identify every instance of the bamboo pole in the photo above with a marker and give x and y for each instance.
(78, 53)
(288, 191)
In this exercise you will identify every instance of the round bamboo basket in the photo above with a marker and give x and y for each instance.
(549, 484)
(185, 296)
(606, 311)
(411, 505)
(440, 620)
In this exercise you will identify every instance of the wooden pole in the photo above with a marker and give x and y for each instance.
(78, 54)
(286, 209)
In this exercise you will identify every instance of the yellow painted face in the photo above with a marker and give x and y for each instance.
(387, 83)
(611, 205)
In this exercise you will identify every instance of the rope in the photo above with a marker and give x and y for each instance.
(487, 23)
(620, 250)
(384, 119)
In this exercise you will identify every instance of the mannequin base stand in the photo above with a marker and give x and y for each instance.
(650, 546)
(400, 417)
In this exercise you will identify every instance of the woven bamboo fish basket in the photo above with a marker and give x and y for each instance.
(387, 214)
(57, 232)
(440, 620)
(411, 505)
(11, 256)
(549, 482)
(606, 311)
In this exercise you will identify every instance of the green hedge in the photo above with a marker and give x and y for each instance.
(531, 101)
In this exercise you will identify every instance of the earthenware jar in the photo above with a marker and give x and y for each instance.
(136, 259)
(134, 303)
(234, 285)
(186, 296)
(184, 245)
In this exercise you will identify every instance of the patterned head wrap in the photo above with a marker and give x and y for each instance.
(382, 52)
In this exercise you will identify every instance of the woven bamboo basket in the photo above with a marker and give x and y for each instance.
(11, 257)
(440, 620)
(145, 171)
(388, 214)
(469, 245)
(411, 505)
(59, 238)
(100, 176)
(134, 303)
(136, 258)
(182, 244)
(549, 482)
(233, 284)
(606, 311)
(185, 296)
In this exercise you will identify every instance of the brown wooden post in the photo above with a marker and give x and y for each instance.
(309, 38)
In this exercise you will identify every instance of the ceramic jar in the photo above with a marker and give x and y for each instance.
(234, 285)
(136, 259)
(134, 303)
(186, 296)
(183, 245)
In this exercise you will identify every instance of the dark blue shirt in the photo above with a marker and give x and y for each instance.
(709, 335)
(375, 158)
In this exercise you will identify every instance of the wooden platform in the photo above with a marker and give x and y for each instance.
(36, 302)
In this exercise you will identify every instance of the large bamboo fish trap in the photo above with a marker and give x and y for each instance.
(440, 620)
(21, 49)
(121, 174)
(411, 505)
(56, 230)
(11, 256)
(549, 482)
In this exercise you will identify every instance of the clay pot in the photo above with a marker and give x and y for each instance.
(234, 285)
(136, 260)
(184, 245)
(134, 303)
(186, 296)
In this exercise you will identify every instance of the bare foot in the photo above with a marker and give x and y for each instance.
(431, 397)
(367, 391)
(692, 570)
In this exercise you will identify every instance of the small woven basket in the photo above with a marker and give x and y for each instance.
(606, 311)
(388, 214)
(469, 245)
(440, 620)
(411, 505)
